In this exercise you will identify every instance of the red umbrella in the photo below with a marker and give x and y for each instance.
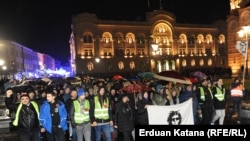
(193, 80)
(135, 88)
(173, 76)
(117, 77)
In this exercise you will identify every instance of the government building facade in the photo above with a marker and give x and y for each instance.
(238, 23)
(106, 47)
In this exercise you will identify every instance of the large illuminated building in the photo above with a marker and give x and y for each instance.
(19, 61)
(238, 21)
(106, 47)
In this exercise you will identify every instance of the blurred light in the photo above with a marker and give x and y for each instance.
(4, 67)
(97, 60)
(1, 62)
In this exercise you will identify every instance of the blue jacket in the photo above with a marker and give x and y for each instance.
(46, 120)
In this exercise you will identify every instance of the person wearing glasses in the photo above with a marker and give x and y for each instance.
(174, 118)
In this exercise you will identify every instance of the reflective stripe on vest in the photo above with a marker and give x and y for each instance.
(220, 94)
(101, 112)
(15, 122)
(80, 117)
(202, 94)
(236, 92)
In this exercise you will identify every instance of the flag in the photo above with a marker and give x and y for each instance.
(242, 46)
(179, 114)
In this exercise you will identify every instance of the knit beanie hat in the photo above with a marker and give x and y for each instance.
(80, 92)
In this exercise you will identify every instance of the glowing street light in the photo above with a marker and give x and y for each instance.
(4, 67)
(1, 62)
(244, 32)
(97, 60)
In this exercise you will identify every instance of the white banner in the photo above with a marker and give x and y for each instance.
(179, 114)
(242, 46)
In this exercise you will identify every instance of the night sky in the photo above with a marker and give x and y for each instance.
(44, 25)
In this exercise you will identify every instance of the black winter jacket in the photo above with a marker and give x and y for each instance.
(28, 118)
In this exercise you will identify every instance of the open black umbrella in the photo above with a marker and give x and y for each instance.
(18, 88)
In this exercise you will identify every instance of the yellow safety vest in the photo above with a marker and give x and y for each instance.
(101, 112)
(80, 117)
(220, 94)
(202, 94)
(15, 122)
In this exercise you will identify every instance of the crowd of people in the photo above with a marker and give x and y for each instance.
(101, 112)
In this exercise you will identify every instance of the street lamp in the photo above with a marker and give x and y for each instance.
(244, 32)
(4, 67)
(1, 62)
(97, 60)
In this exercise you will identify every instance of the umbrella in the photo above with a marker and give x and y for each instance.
(135, 88)
(173, 76)
(146, 75)
(21, 87)
(133, 78)
(57, 81)
(74, 80)
(193, 80)
(117, 77)
(199, 74)
(46, 79)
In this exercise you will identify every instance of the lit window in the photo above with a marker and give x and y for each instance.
(121, 65)
(209, 62)
(201, 62)
(132, 65)
(184, 63)
(90, 66)
(192, 62)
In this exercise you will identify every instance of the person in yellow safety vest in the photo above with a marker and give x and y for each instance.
(101, 115)
(79, 115)
(236, 93)
(26, 117)
(219, 93)
(205, 98)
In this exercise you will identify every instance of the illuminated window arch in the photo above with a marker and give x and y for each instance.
(209, 38)
(222, 39)
(158, 66)
(209, 62)
(162, 33)
(200, 39)
(130, 38)
(184, 63)
(132, 65)
(120, 65)
(183, 38)
(90, 66)
(201, 62)
(192, 62)
(107, 37)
